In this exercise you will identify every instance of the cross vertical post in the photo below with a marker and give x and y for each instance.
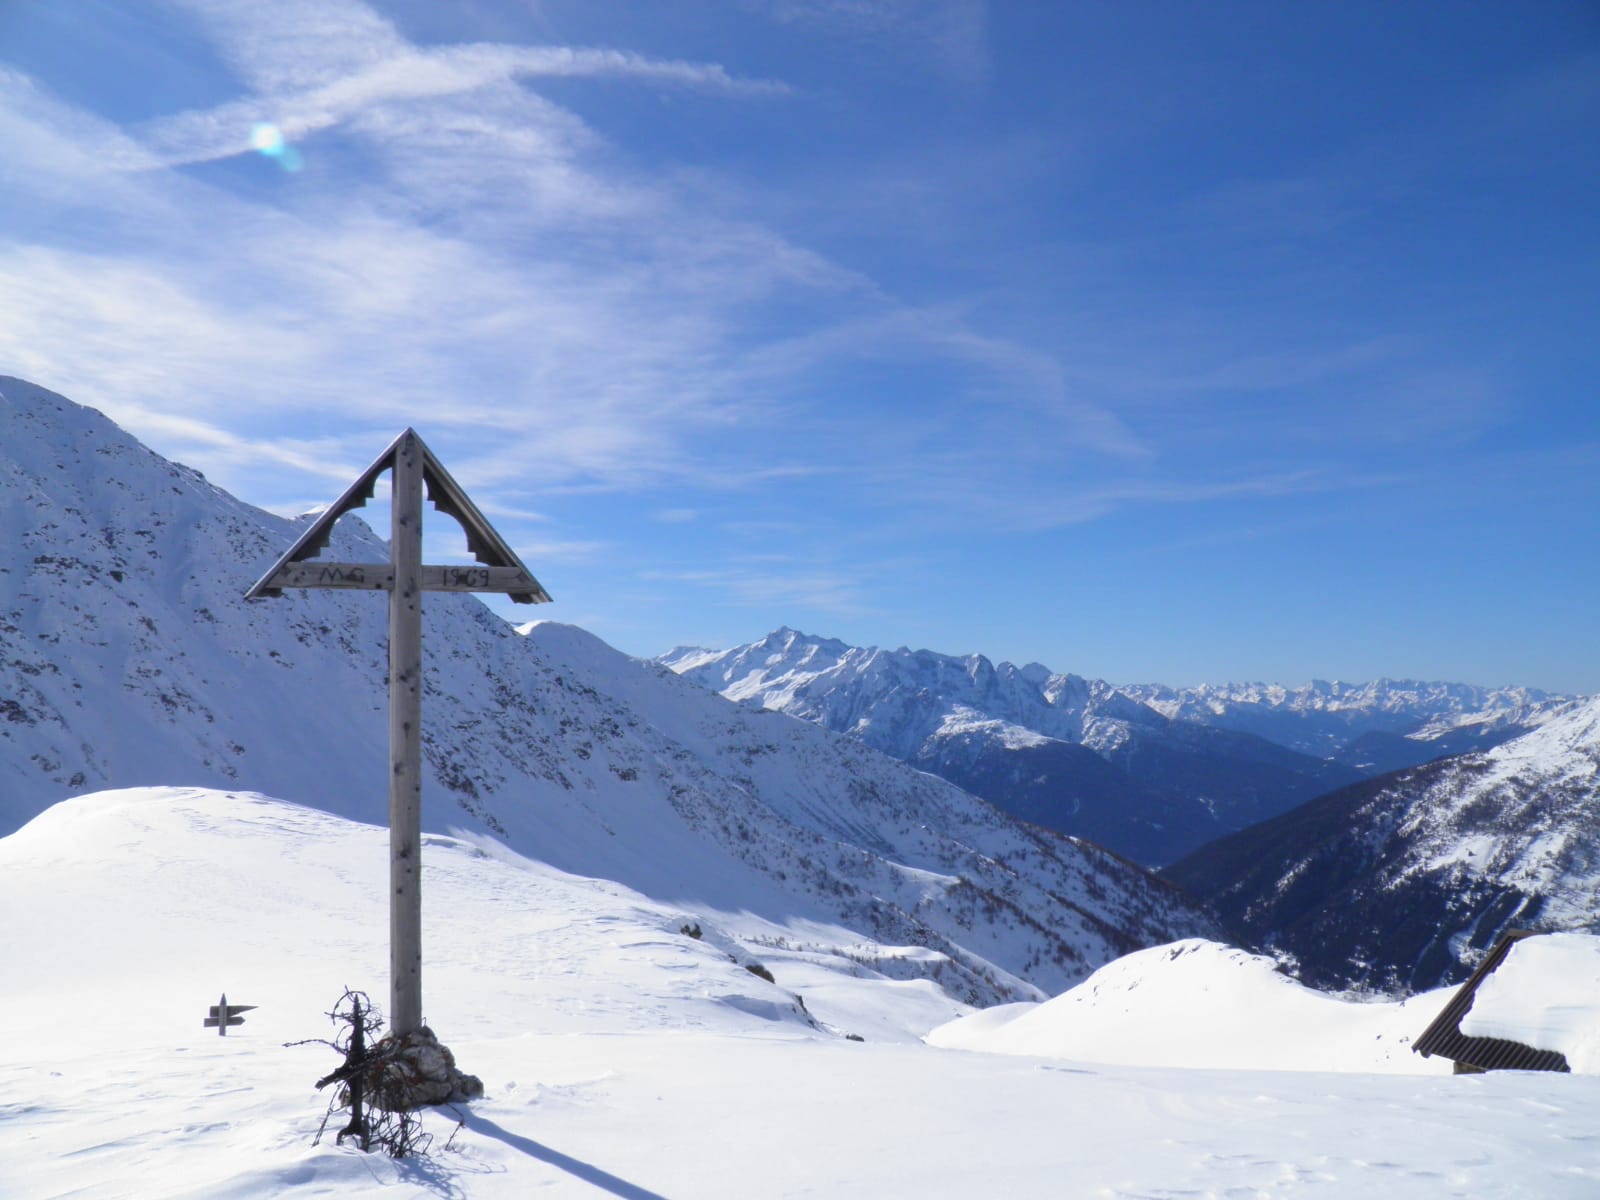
(405, 740)
(416, 477)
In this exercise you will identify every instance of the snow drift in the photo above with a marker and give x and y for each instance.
(1201, 1004)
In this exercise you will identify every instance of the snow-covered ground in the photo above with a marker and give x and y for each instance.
(1202, 1004)
(624, 1058)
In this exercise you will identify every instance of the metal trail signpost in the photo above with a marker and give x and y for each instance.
(224, 1014)
(414, 469)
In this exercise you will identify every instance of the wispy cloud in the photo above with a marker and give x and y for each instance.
(782, 591)
(327, 457)
(952, 35)
(410, 74)
(296, 43)
(335, 308)
(1025, 499)
(464, 254)
(561, 551)
(1020, 381)
(54, 149)
(491, 508)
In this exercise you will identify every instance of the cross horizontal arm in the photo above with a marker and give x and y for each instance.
(380, 577)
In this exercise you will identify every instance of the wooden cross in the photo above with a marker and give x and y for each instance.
(413, 468)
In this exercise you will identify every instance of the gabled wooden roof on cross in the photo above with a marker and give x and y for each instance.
(505, 570)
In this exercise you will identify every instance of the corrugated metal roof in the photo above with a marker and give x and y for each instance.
(1444, 1036)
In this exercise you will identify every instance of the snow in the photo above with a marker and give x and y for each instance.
(1463, 851)
(624, 1058)
(1516, 816)
(962, 721)
(1563, 746)
(1197, 1003)
(1546, 994)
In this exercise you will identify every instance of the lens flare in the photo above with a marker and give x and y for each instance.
(267, 140)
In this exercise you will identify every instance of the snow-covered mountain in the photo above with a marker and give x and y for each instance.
(1069, 753)
(128, 657)
(1374, 727)
(1405, 880)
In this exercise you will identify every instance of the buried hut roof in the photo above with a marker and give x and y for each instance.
(1475, 1048)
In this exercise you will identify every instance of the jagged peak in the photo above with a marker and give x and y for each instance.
(1035, 673)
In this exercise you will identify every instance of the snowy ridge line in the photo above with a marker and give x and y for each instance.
(1072, 754)
(128, 658)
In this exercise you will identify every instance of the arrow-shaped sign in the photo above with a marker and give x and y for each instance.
(225, 1014)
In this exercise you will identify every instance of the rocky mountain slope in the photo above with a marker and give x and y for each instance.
(1069, 753)
(1403, 881)
(127, 657)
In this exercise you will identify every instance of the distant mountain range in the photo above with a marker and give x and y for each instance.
(1373, 727)
(1149, 771)
(1402, 882)
(128, 657)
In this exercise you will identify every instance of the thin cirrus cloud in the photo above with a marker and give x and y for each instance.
(840, 594)
(210, 295)
(351, 305)
(1025, 385)
(411, 74)
(326, 457)
(949, 36)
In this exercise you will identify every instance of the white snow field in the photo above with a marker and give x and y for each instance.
(1203, 1004)
(623, 1058)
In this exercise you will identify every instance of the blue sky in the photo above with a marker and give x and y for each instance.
(1152, 341)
